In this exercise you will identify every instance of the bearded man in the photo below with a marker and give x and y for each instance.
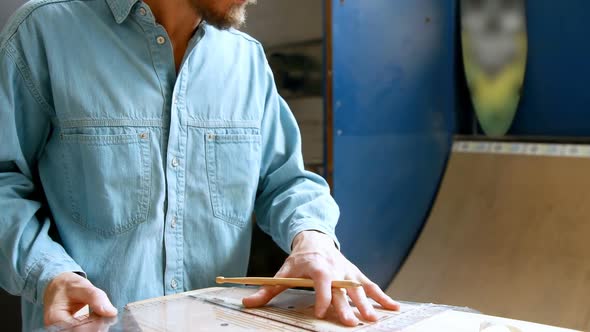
(138, 139)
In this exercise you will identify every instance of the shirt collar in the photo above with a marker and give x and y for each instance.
(121, 8)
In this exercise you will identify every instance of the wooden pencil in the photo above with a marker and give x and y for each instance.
(289, 282)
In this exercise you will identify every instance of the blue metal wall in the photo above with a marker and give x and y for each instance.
(394, 65)
(556, 96)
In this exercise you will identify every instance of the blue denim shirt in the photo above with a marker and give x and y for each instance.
(148, 179)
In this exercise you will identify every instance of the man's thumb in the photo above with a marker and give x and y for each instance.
(99, 303)
(262, 296)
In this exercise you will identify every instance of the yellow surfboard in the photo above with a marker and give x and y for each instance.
(494, 40)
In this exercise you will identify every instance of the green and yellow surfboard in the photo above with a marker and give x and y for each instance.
(494, 40)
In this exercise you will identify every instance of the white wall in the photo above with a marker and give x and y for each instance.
(277, 22)
(280, 22)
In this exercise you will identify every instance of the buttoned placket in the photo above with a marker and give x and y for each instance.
(173, 143)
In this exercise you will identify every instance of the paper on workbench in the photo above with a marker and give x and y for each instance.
(454, 321)
(293, 310)
(221, 309)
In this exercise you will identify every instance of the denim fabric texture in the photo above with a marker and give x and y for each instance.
(148, 178)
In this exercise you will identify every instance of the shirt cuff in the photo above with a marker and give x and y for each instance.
(309, 225)
(43, 272)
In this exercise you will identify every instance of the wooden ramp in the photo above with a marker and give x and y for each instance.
(509, 235)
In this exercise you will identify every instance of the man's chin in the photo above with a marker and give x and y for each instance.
(235, 18)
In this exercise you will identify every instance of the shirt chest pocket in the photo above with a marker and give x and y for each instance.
(233, 167)
(108, 180)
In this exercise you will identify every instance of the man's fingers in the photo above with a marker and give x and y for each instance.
(343, 309)
(52, 317)
(96, 299)
(266, 293)
(323, 294)
(262, 296)
(76, 296)
(374, 291)
(358, 297)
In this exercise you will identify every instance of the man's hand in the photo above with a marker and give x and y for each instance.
(67, 293)
(315, 256)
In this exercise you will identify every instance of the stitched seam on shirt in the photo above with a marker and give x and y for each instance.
(151, 53)
(25, 74)
(33, 265)
(77, 123)
(36, 265)
(244, 36)
(22, 16)
(308, 224)
(223, 123)
(120, 10)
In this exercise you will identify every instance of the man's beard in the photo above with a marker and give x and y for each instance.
(233, 17)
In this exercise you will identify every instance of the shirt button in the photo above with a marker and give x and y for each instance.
(173, 222)
(175, 162)
(173, 284)
(161, 40)
(142, 11)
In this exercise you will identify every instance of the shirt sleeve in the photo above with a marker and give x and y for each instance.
(290, 199)
(29, 257)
